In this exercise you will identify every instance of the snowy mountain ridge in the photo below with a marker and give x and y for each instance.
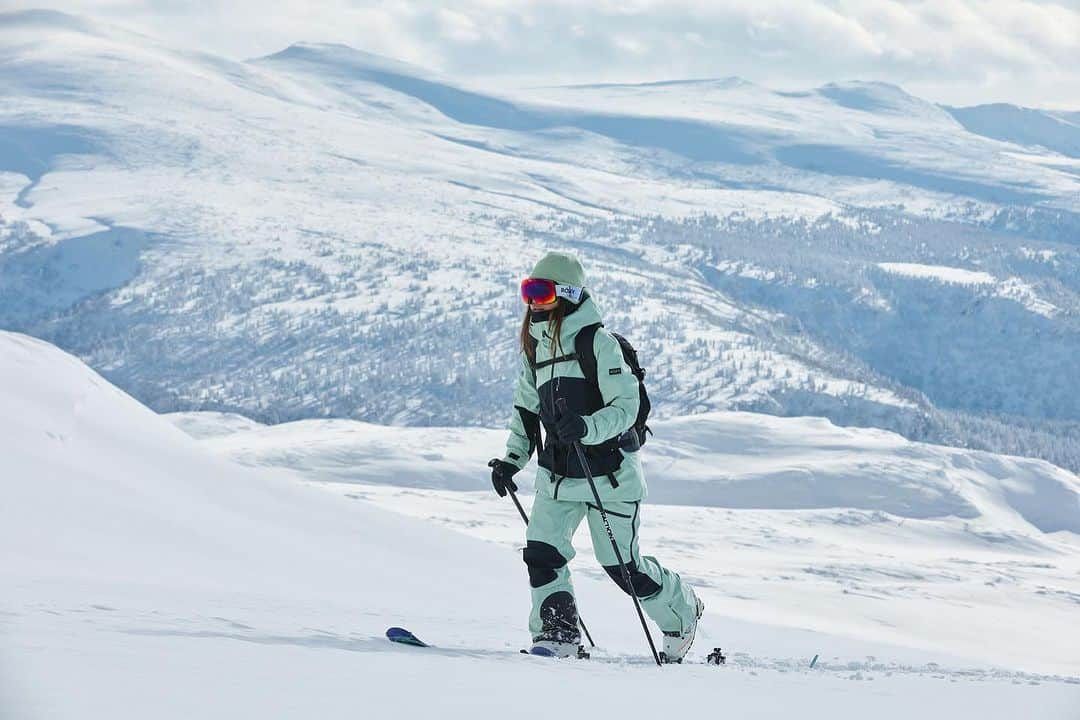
(279, 237)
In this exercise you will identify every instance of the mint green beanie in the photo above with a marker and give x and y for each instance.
(563, 268)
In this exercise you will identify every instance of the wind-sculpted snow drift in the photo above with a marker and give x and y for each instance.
(147, 575)
(283, 237)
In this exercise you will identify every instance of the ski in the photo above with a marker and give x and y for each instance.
(582, 653)
(403, 636)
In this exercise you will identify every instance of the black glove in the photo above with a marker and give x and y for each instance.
(502, 476)
(570, 427)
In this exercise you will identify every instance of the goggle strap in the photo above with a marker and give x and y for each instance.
(570, 292)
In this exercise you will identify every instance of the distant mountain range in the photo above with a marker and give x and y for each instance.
(324, 232)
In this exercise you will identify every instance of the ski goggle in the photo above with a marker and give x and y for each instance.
(538, 290)
(543, 292)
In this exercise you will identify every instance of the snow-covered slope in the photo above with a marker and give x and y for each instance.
(146, 576)
(104, 497)
(137, 567)
(303, 234)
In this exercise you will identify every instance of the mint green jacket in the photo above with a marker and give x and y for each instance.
(619, 389)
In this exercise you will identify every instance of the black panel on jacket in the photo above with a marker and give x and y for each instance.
(584, 398)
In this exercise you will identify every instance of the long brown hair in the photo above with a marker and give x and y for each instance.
(556, 315)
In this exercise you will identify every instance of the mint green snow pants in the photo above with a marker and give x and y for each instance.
(666, 599)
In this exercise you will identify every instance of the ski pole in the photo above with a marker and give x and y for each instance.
(560, 404)
(517, 503)
(521, 511)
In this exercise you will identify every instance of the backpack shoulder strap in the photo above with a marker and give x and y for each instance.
(583, 348)
(551, 361)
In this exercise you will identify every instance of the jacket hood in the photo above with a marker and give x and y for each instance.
(587, 313)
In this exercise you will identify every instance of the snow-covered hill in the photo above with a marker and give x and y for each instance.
(732, 460)
(147, 575)
(1055, 131)
(305, 235)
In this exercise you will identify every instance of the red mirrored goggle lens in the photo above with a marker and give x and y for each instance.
(537, 290)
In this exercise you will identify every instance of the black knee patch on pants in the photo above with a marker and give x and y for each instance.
(543, 560)
(644, 586)
(558, 615)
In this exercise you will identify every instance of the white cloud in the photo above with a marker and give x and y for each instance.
(458, 26)
(956, 51)
(695, 38)
(630, 45)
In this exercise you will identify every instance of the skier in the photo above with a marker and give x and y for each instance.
(597, 414)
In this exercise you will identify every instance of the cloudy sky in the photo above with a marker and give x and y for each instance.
(951, 51)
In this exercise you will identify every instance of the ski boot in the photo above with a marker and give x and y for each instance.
(677, 644)
(557, 649)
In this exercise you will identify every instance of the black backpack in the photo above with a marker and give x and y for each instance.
(583, 349)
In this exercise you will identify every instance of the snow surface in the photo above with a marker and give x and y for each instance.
(146, 574)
